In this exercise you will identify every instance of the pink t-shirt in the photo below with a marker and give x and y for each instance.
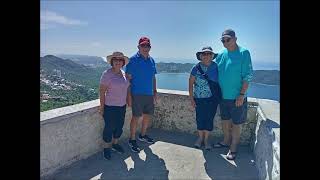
(117, 87)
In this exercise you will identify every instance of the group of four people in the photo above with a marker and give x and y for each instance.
(231, 70)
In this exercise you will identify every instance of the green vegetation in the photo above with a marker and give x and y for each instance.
(83, 80)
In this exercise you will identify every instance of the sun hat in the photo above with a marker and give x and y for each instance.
(117, 54)
(206, 49)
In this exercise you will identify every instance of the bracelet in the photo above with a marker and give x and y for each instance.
(242, 94)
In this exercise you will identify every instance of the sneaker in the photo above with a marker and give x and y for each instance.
(146, 139)
(118, 148)
(133, 146)
(107, 153)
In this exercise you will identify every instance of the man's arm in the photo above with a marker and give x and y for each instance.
(154, 84)
(246, 75)
(154, 89)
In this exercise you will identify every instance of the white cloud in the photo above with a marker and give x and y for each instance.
(49, 17)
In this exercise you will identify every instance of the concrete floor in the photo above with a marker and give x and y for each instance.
(171, 157)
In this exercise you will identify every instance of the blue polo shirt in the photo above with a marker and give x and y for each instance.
(142, 72)
(234, 68)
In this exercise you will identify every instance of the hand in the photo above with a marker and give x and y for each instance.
(193, 103)
(239, 100)
(155, 98)
(129, 101)
(101, 110)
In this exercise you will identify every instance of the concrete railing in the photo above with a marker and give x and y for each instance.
(266, 142)
(72, 133)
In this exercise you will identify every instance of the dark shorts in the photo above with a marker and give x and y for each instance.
(206, 109)
(114, 119)
(228, 110)
(142, 104)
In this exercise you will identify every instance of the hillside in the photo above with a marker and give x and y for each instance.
(271, 77)
(64, 82)
(93, 61)
(70, 70)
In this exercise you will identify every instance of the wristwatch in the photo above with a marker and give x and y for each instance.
(242, 94)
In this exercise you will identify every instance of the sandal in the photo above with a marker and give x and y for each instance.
(231, 155)
(208, 147)
(220, 145)
(198, 144)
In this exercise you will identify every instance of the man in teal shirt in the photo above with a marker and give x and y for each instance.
(235, 73)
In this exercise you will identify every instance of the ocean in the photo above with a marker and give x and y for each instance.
(179, 81)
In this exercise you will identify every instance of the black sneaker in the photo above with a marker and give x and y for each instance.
(133, 146)
(107, 153)
(118, 148)
(146, 139)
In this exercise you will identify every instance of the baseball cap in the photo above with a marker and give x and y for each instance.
(144, 40)
(228, 33)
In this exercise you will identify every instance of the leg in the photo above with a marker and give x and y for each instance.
(145, 123)
(225, 111)
(199, 141)
(121, 113)
(226, 128)
(211, 109)
(239, 116)
(115, 140)
(133, 127)
(236, 131)
(206, 137)
(136, 115)
(147, 110)
(200, 120)
(107, 131)
(108, 126)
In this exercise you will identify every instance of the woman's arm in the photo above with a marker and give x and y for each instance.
(191, 82)
(102, 90)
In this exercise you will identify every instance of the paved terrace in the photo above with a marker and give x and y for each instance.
(71, 144)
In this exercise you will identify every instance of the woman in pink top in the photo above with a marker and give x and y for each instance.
(113, 97)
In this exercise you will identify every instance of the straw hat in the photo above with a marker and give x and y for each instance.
(118, 55)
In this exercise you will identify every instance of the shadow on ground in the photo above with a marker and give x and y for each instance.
(171, 157)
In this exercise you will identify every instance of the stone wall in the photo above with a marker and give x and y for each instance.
(174, 112)
(266, 141)
(72, 133)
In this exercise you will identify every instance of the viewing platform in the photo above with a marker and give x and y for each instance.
(71, 144)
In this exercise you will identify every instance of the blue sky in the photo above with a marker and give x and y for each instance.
(177, 29)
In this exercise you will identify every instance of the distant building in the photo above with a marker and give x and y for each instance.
(45, 96)
(58, 72)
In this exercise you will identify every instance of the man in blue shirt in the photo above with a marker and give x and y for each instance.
(235, 73)
(141, 71)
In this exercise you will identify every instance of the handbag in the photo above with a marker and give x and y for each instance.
(214, 86)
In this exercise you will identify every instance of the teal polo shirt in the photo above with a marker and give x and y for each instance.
(234, 67)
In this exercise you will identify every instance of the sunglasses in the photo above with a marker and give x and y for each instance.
(145, 46)
(206, 53)
(117, 59)
(225, 40)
